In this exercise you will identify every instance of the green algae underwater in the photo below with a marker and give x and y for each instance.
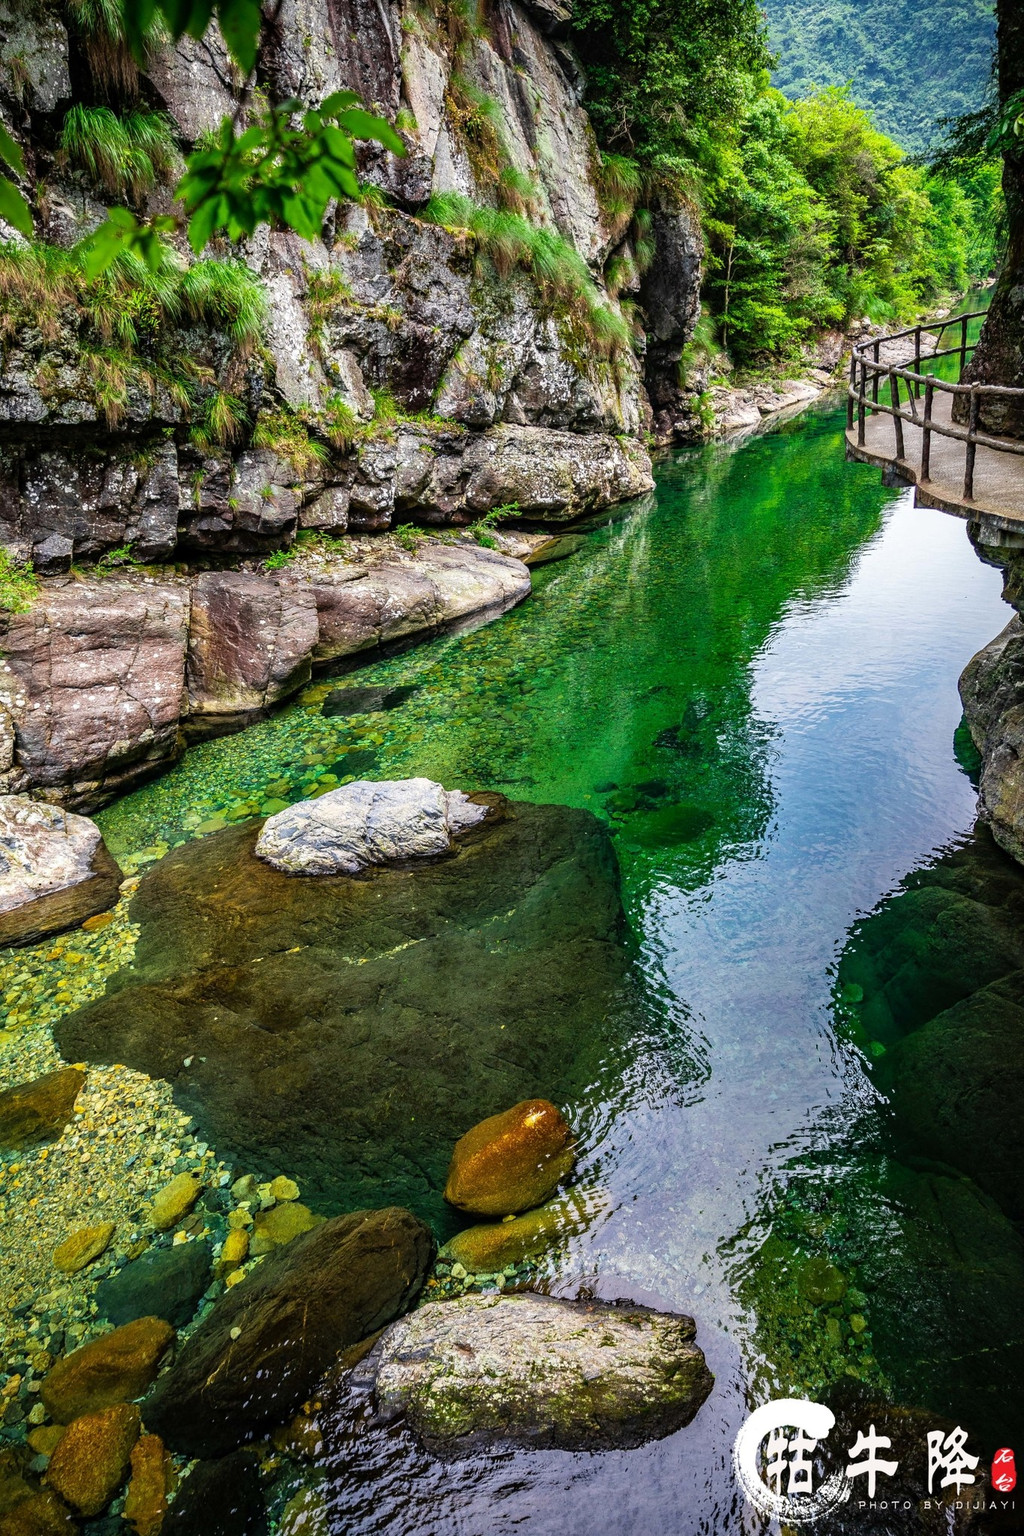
(750, 680)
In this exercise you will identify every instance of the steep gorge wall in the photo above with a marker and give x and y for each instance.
(470, 387)
(992, 691)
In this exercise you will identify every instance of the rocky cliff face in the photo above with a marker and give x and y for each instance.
(992, 690)
(410, 369)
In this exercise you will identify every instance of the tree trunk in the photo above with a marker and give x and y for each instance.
(999, 356)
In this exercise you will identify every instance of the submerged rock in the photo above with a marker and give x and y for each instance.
(532, 1371)
(220, 1498)
(346, 1032)
(488, 1248)
(360, 824)
(91, 1459)
(256, 1357)
(55, 870)
(145, 1504)
(510, 1162)
(165, 1283)
(44, 1514)
(78, 1250)
(112, 1369)
(39, 1110)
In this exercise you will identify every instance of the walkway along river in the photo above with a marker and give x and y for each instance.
(752, 679)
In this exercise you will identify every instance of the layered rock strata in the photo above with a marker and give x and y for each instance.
(104, 679)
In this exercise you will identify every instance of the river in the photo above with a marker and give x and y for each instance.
(752, 680)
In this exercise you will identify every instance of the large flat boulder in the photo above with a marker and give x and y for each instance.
(250, 646)
(362, 823)
(259, 1353)
(532, 1371)
(96, 673)
(55, 870)
(346, 1032)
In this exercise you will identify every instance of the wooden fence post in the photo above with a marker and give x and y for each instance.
(894, 397)
(972, 447)
(926, 431)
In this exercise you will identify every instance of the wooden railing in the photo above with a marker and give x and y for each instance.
(869, 374)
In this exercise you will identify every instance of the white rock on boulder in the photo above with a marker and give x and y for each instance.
(362, 823)
(54, 870)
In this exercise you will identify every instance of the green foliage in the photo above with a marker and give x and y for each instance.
(289, 437)
(814, 217)
(510, 242)
(116, 560)
(128, 320)
(409, 536)
(220, 420)
(13, 206)
(281, 558)
(125, 156)
(658, 70)
(481, 529)
(284, 168)
(227, 296)
(909, 65)
(19, 584)
(103, 34)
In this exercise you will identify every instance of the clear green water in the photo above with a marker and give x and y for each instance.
(753, 680)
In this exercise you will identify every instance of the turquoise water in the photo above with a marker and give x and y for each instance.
(752, 680)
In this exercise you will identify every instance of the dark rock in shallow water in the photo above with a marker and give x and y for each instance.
(38, 1111)
(166, 1282)
(366, 701)
(269, 1339)
(220, 1498)
(348, 1032)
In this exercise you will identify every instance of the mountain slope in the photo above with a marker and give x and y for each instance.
(909, 64)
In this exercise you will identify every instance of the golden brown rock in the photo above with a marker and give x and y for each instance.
(78, 1250)
(146, 1501)
(112, 1369)
(41, 1515)
(44, 1439)
(280, 1224)
(234, 1251)
(89, 1465)
(39, 1110)
(488, 1248)
(511, 1161)
(175, 1200)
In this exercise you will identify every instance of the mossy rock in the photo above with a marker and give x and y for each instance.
(346, 1031)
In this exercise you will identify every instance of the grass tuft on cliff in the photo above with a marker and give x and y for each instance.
(127, 322)
(510, 242)
(123, 156)
(19, 584)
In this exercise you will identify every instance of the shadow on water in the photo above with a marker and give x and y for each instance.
(752, 683)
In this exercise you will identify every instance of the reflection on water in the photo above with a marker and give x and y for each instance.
(753, 682)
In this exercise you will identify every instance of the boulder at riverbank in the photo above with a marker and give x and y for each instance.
(104, 679)
(531, 1371)
(55, 870)
(345, 1032)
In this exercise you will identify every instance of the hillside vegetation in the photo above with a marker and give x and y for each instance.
(909, 65)
(811, 214)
